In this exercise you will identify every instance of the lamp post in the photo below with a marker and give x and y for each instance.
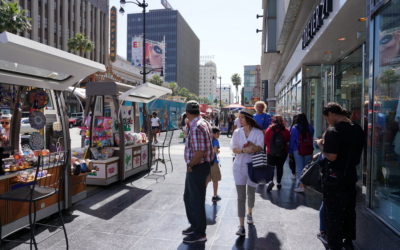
(220, 95)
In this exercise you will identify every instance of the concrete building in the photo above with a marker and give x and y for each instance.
(208, 81)
(252, 85)
(319, 51)
(182, 44)
(227, 96)
(55, 21)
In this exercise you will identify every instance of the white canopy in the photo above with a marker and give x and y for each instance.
(79, 92)
(144, 93)
(29, 63)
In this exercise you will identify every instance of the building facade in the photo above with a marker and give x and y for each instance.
(208, 81)
(226, 96)
(55, 21)
(180, 41)
(347, 52)
(252, 85)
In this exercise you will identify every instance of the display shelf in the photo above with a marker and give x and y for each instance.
(136, 170)
(131, 146)
(109, 160)
(102, 182)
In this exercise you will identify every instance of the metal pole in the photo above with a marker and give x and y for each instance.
(229, 95)
(144, 40)
(220, 93)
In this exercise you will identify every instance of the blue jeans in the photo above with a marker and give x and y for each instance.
(322, 227)
(301, 161)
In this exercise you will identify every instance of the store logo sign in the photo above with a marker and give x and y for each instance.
(321, 12)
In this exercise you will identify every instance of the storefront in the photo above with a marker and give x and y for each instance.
(384, 112)
(33, 77)
(354, 59)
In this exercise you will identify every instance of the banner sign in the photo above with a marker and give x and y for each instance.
(113, 34)
(155, 53)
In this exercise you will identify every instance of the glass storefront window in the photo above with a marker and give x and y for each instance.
(385, 167)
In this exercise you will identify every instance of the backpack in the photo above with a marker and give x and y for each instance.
(277, 143)
(306, 146)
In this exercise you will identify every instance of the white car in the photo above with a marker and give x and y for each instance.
(26, 127)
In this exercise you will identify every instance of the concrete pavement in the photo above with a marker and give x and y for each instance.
(143, 213)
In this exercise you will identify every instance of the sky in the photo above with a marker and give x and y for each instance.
(226, 29)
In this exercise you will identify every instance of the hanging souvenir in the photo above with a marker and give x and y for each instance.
(38, 98)
(36, 141)
(37, 120)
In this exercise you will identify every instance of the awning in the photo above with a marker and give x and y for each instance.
(144, 93)
(29, 63)
(79, 92)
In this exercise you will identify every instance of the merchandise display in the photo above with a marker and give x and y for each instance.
(37, 120)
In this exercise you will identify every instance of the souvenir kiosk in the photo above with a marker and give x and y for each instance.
(32, 78)
(112, 133)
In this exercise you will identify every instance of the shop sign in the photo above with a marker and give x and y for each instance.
(113, 34)
(321, 12)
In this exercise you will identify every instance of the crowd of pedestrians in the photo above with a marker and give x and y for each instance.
(341, 147)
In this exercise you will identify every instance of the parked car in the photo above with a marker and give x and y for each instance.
(79, 118)
(26, 127)
(72, 122)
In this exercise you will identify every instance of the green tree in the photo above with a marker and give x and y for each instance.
(12, 18)
(157, 80)
(216, 101)
(184, 92)
(174, 87)
(80, 43)
(236, 81)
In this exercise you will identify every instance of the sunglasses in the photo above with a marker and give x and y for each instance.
(5, 123)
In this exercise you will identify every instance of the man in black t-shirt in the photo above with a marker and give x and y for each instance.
(342, 146)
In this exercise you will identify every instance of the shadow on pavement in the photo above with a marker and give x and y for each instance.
(211, 213)
(270, 241)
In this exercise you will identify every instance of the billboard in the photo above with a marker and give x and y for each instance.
(155, 53)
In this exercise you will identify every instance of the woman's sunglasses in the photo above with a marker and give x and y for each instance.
(6, 123)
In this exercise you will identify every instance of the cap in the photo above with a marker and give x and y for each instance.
(6, 116)
(192, 106)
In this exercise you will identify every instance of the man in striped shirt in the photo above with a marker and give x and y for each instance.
(198, 156)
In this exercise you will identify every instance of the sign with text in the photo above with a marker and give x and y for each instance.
(321, 12)
(113, 34)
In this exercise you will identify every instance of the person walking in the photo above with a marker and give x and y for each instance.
(231, 119)
(184, 127)
(292, 163)
(155, 126)
(301, 146)
(342, 146)
(198, 156)
(245, 141)
(215, 173)
(262, 118)
(276, 141)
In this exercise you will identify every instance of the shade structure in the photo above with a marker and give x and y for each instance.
(234, 106)
(29, 63)
(79, 92)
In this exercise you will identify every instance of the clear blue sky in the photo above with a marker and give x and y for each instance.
(226, 29)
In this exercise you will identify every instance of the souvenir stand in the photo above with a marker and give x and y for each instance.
(117, 147)
(33, 119)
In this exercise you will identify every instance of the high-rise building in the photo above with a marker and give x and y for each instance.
(251, 85)
(208, 81)
(182, 45)
(55, 21)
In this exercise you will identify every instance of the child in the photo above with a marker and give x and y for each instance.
(215, 173)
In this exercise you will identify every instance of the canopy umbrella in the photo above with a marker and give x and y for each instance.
(234, 106)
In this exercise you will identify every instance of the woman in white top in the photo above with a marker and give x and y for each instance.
(155, 126)
(245, 141)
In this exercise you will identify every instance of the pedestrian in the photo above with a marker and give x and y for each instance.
(215, 173)
(216, 121)
(231, 119)
(292, 163)
(155, 126)
(236, 123)
(184, 126)
(342, 146)
(276, 141)
(245, 141)
(261, 116)
(198, 155)
(301, 146)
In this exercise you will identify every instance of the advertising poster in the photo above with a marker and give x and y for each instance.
(155, 53)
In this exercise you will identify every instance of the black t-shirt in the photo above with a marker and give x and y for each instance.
(347, 141)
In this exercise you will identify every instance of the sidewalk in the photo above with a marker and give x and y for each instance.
(145, 214)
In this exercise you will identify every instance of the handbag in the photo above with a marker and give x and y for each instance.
(259, 159)
(260, 175)
(311, 175)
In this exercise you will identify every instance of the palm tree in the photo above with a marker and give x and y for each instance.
(13, 18)
(236, 81)
(80, 43)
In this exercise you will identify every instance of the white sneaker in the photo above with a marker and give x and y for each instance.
(299, 190)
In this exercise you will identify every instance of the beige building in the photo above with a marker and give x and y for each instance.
(55, 21)
(208, 81)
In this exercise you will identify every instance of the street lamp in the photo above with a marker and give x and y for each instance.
(220, 96)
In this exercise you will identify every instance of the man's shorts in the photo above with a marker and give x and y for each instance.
(215, 173)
